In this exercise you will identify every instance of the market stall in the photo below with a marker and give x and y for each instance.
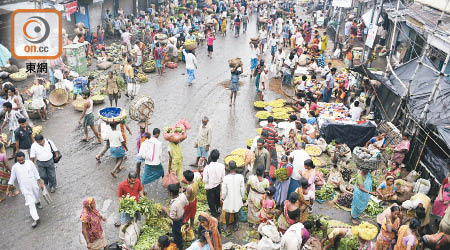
(334, 124)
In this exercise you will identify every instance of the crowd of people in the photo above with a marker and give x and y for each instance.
(286, 47)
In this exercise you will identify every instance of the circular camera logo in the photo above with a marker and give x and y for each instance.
(36, 29)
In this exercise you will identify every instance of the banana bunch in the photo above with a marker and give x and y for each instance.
(281, 174)
(142, 77)
(149, 65)
(236, 158)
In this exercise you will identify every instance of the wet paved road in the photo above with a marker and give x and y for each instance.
(79, 175)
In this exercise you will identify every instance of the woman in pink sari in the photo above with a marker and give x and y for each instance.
(401, 149)
(310, 174)
(443, 200)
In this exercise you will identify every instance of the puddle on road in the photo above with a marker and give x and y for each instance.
(227, 83)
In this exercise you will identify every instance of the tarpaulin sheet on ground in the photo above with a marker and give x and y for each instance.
(351, 134)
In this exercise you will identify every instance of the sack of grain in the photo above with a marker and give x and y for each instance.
(104, 65)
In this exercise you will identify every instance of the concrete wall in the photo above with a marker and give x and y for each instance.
(95, 15)
(108, 5)
(127, 6)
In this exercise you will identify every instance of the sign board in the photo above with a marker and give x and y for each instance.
(371, 35)
(342, 3)
(71, 7)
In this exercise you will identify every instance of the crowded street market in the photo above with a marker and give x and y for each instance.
(260, 125)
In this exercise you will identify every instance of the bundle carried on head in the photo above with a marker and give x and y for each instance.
(235, 61)
(177, 133)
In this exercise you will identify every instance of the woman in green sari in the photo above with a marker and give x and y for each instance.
(361, 194)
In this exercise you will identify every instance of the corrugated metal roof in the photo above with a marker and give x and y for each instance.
(429, 17)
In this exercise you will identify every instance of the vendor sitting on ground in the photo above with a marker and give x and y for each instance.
(377, 142)
(386, 190)
(394, 170)
(342, 154)
(308, 132)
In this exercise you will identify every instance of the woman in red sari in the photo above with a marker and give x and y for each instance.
(91, 228)
(290, 214)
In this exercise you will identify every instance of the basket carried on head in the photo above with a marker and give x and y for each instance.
(254, 40)
(141, 109)
(240, 167)
(161, 36)
(190, 44)
(235, 61)
(112, 114)
(370, 164)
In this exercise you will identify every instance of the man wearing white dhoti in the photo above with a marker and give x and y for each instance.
(27, 175)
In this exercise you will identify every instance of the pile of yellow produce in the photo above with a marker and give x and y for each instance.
(239, 151)
(365, 230)
(142, 77)
(249, 142)
(190, 44)
(259, 131)
(18, 76)
(260, 104)
(277, 103)
(98, 97)
(280, 115)
(37, 130)
(262, 114)
(149, 66)
(317, 161)
(236, 158)
(4, 138)
(313, 150)
(281, 110)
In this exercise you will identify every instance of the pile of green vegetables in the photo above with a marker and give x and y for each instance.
(156, 224)
(373, 208)
(349, 243)
(128, 205)
(325, 193)
(201, 194)
(281, 174)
